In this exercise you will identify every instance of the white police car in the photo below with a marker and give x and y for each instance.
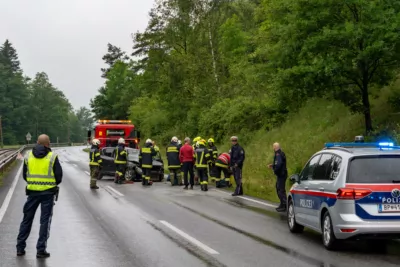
(348, 191)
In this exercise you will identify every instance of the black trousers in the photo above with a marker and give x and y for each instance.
(281, 189)
(237, 174)
(203, 175)
(188, 169)
(46, 203)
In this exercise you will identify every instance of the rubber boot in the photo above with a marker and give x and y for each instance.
(205, 187)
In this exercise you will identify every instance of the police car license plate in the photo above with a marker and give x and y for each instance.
(388, 208)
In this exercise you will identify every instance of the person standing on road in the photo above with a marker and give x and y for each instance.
(202, 157)
(186, 154)
(174, 164)
(237, 156)
(95, 163)
(157, 150)
(280, 170)
(120, 161)
(43, 173)
(195, 145)
(214, 155)
(146, 161)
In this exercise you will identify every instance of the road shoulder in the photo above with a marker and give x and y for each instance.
(8, 180)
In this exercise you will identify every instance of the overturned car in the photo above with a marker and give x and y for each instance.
(133, 170)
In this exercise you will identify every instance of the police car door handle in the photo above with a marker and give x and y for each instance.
(321, 189)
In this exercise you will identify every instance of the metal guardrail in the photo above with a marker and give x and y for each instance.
(10, 158)
(7, 160)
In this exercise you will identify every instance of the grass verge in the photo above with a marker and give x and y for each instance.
(6, 171)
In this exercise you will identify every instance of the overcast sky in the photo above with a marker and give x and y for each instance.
(67, 38)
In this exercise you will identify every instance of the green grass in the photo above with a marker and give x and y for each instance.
(6, 171)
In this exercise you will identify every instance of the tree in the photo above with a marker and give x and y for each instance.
(340, 48)
(113, 55)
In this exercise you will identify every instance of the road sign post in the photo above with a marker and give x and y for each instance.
(28, 137)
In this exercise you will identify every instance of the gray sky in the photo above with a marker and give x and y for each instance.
(67, 38)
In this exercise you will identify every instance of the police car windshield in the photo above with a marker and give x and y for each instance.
(374, 169)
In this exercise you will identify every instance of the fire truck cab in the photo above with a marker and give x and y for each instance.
(109, 131)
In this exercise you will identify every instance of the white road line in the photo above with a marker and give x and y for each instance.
(249, 199)
(189, 238)
(115, 191)
(7, 200)
(74, 165)
(87, 173)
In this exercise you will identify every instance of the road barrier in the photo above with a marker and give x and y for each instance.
(9, 155)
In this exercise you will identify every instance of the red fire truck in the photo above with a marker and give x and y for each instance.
(109, 131)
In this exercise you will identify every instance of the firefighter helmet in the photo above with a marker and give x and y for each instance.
(202, 142)
(198, 138)
(121, 141)
(149, 141)
(174, 139)
(96, 142)
(211, 140)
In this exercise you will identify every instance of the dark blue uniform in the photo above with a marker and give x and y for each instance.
(237, 159)
(281, 173)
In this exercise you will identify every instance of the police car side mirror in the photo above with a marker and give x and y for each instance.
(295, 178)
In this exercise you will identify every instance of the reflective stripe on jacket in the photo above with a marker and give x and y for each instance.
(40, 175)
(94, 156)
(120, 155)
(173, 156)
(146, 157)
(202, 156)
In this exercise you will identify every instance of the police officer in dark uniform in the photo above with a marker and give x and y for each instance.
(43, 173)
(120, 161)
(237, 156)
(280, 170)
(174, 163)
(146, 155)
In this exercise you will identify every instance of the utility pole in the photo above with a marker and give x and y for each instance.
(1, 132)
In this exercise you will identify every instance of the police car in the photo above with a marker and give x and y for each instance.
(348, 191)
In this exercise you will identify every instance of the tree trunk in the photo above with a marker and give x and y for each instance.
(366, 106)
(213, 57)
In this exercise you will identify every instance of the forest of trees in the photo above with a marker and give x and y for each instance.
(35, 105)
(222, 67)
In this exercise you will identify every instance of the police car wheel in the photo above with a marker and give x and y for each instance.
(294, 227)
(328, 236)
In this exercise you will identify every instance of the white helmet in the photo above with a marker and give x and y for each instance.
(174, 139)
(121, 141)
(96, 142)
(149, 141)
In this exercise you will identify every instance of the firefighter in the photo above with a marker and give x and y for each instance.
(146, 155)
(95, 163)
(214, 155)
(120, 161)
(196, 175)
(222, 164)
(202, 157)
(174, 164)
(157, 150)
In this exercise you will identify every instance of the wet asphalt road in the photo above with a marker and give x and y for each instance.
(128, 225)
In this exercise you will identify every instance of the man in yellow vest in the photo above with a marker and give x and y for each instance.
(43, 173)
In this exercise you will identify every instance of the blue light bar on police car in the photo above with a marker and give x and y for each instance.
(377, 145)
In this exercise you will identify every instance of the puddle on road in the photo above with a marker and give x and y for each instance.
(287, 251)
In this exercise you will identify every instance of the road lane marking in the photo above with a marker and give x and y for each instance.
(189, 238)
(115, 191)
(249, 199)
(7, 200)
(87, 173)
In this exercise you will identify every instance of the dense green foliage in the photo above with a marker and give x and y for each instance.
(233, 67)
(35, 105)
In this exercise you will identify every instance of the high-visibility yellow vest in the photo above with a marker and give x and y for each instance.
(40, 175)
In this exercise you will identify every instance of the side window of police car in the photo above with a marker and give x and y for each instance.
(324, 168)
(308, 171)
(337, 161)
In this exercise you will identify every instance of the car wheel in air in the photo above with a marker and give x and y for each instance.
(294, 227)
(328, 236)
